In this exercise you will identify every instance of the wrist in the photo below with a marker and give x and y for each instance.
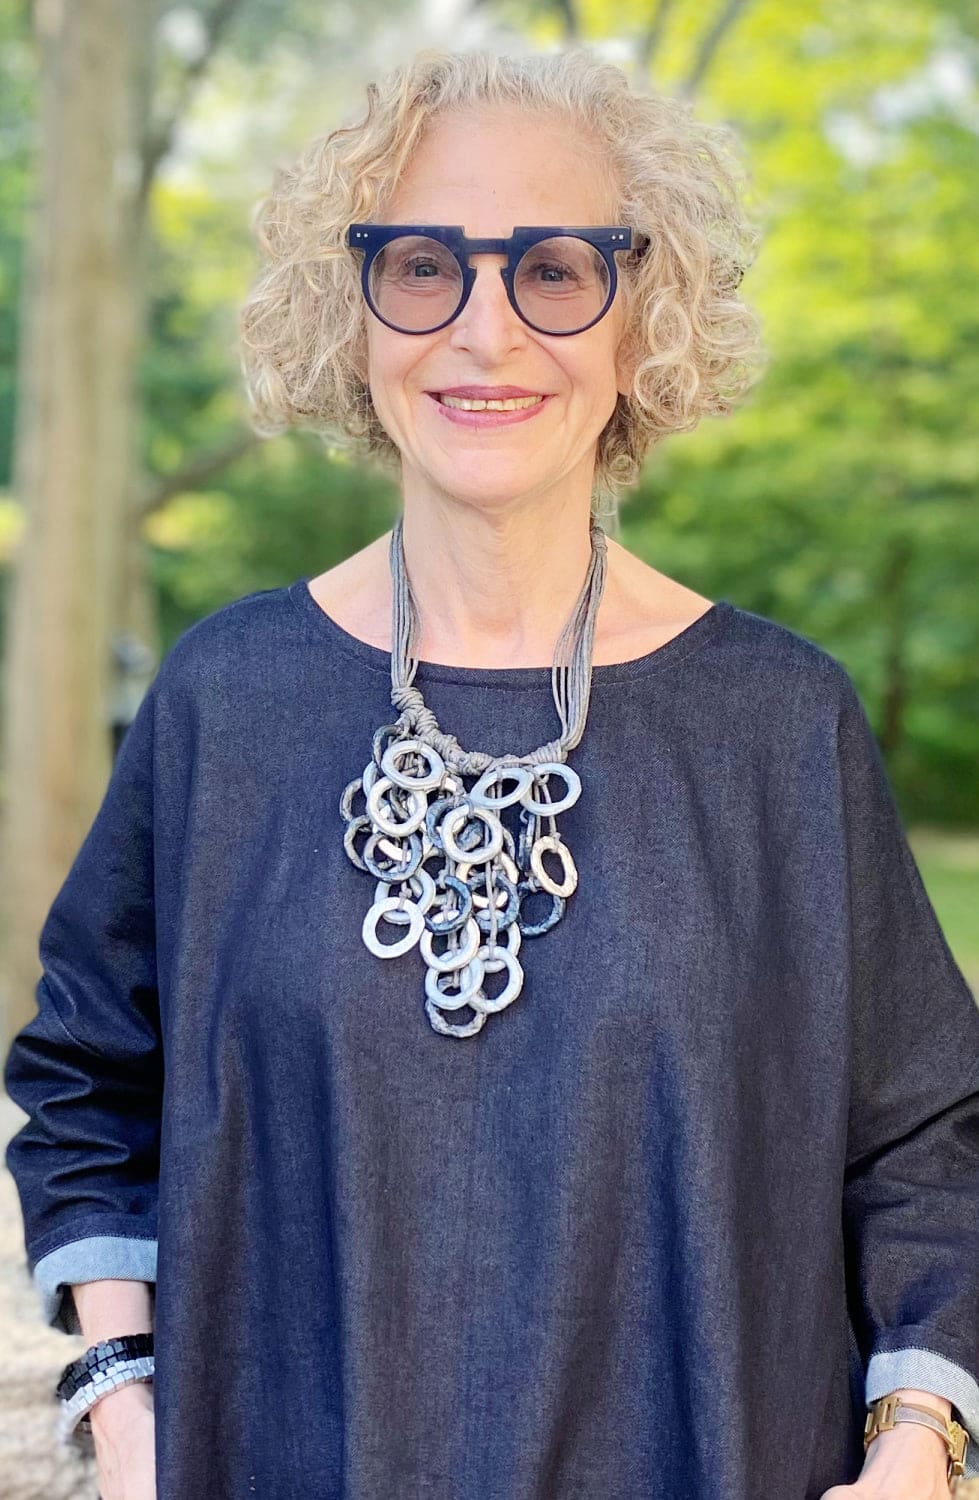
(939, 1404)
(906, 1440)
(914, 1450)
(906, 1461)
(120, 1406)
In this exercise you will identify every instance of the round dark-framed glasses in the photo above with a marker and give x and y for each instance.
(416, 278)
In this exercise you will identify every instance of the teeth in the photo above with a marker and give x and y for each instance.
(514, 404)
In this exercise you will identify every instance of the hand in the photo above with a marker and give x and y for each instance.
(123, 1427)
(905, 1463)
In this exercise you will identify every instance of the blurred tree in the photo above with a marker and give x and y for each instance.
(72, 461)
(78, 589)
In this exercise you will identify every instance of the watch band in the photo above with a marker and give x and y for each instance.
(889, 1410)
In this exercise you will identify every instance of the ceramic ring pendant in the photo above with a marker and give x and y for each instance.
(450, 877)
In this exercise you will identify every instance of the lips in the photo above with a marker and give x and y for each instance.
(484, 418)
(485, 392)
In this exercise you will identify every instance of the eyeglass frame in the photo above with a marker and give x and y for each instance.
(607, 240)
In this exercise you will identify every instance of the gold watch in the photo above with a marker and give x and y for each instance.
(889, 1410)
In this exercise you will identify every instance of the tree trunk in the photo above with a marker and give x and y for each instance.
(73, 465)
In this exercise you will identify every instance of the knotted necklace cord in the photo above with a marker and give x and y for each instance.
(418, 808)
(571, 670)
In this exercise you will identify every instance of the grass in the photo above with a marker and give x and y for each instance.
(949, 865)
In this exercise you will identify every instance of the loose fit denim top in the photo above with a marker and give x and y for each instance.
(662, 1228)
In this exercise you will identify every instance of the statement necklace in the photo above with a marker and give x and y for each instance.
(467, 916)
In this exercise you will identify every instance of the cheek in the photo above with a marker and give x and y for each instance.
(391, 373)
(594, 377)
(383, 383)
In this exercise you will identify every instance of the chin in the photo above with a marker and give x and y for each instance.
(486, 483)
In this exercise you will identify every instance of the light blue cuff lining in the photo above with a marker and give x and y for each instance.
(93, 1259)
(922, 1370)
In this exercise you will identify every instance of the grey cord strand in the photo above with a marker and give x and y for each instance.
(570, 679)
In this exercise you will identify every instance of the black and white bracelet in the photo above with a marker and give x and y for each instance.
(104, 1367)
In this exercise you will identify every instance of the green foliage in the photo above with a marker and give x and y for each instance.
(839, 499)
(282, 512)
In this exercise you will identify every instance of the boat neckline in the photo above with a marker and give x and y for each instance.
(688, 640)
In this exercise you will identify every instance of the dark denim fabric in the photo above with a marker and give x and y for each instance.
(645, 1234)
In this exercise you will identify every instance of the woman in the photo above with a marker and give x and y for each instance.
(648, 1154)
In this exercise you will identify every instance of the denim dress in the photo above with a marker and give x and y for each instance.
(661, 1228)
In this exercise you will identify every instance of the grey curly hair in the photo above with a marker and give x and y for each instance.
(695, 346)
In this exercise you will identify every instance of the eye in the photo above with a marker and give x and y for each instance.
(556, 273)
(548, 278)
(421, 263)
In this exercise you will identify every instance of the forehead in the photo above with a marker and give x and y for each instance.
(492, 169)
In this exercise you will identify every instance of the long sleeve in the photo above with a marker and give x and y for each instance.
(88, 1068)
(911, 1182)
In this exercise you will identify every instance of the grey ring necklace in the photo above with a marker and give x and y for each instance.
(467, 917)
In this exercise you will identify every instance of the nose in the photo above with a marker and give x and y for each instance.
(487, 325)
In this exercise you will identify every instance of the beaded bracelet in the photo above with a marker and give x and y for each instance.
(104, 1367)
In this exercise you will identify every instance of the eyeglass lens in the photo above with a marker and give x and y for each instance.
(560, 284)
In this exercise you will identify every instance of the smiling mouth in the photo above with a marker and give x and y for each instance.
(463, 403)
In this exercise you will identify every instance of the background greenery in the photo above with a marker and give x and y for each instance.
(840, 499)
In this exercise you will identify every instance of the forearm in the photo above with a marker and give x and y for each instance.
(109, 1309)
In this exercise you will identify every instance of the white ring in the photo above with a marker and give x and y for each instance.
(471, 975)
(522, 775)
(510, 990)
(457, 815)
(424, 781)
(554, 841)
(392, 950)
(453, 958)
(417, 800)
(572, 781)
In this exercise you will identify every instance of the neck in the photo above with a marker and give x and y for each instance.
(494, 590)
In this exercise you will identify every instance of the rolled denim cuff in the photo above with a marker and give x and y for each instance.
(95, 1258)
(922, 1370)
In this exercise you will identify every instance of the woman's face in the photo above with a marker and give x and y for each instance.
(490, 172)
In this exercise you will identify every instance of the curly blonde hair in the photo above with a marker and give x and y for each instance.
(694, 346)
